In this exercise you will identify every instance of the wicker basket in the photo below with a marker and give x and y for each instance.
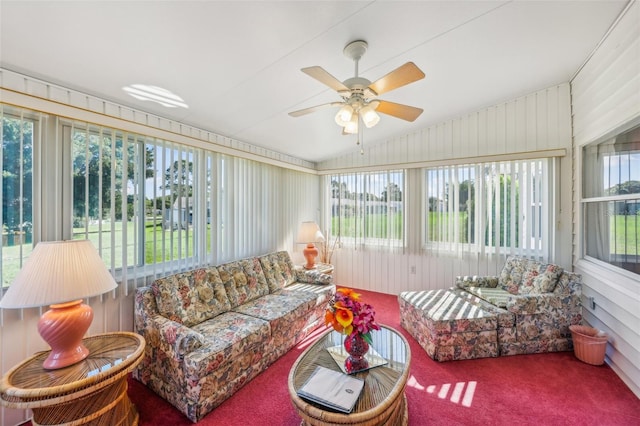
(589, 344)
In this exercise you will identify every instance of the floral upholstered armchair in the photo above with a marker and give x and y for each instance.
(535, 303)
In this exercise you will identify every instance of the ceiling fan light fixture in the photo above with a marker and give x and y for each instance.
(352, 126)
(369, 116)
(358, 93)
(343, 117)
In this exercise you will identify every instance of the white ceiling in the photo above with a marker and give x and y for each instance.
(237, 63)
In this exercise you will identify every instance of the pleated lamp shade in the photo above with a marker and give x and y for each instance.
(309, 233)
(57, 272)
(61, 274)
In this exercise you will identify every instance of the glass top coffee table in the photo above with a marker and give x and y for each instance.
(382, 400)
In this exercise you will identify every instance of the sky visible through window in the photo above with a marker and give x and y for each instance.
(620, 168)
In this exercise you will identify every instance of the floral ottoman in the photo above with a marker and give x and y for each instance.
(447, 326)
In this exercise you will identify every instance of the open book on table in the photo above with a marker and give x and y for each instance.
(332, 389)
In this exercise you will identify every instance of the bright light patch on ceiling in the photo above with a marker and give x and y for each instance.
(156, 94)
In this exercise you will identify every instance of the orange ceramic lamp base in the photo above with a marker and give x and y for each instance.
(63, 327)
(310, 253)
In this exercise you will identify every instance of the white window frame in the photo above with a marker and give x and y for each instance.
(597, 161)
(361, 183)
(538, 175)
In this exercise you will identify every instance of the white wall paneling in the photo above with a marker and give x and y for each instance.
(606, 99)
(532, 126)
(273, 194)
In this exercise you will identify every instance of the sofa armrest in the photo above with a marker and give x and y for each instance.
(490, 281)
(176, 339)
(170, 337)
(549, 304)
(312, 276)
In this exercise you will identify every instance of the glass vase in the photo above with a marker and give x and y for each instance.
(357, 348)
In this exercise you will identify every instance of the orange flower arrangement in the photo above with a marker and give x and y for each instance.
(348, 315)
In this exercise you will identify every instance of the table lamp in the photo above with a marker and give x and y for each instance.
(309, 233)
(61, 274)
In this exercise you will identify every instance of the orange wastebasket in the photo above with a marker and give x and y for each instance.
(589, 344)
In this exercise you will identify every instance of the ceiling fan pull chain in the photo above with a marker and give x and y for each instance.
(361, 139)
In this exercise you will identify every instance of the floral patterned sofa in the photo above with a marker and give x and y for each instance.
(527, 309)
(211, 330)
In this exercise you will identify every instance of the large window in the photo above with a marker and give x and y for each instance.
(499, 207)
(611, 200)
(368, 208)
(18, 130)
(151, 206)
(135, 197)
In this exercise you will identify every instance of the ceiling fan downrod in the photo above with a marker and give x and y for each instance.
(355, 50)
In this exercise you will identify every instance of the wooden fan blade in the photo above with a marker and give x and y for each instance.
(325, 78)
(401, 76)
(309, 110)
(404, 112)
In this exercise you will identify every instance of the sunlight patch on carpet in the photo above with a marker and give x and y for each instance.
(461, 393)
(312, 337)
(412, 382)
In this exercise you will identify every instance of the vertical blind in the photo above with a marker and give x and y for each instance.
(152, 206)
(491, 208)
(133, 197)
(367, 209)
(19, 134)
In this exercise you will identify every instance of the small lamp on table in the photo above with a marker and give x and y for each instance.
(61, 274)
(309, 233)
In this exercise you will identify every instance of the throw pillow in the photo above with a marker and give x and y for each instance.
(273, 272)
(191, 297)
(286, 267)
(243, 280)
(255, 276)
(540, 278)
(512, 273)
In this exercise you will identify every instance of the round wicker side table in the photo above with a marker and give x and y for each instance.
(382, 401)
(92, 391)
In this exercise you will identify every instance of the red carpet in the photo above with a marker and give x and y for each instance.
(542, 389)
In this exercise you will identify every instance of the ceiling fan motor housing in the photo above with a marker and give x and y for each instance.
(358, 90)
(355, 50)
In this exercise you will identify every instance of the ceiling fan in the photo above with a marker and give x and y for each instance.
(359, 95)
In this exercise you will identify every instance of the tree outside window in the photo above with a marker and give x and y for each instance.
(17, 193)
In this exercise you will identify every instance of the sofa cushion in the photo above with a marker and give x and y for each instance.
(278, 270)
(443, 312)
(286, 315)
(243, 281)
(495, 296)
(191, 297)
(569, 283)
(322, 293)
(227, 337)
(312, 276)
(526, 276)
(511, 275)
(278, 309)
(540, 278)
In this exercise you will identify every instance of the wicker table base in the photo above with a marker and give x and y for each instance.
(90, 392)
(382, 401)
